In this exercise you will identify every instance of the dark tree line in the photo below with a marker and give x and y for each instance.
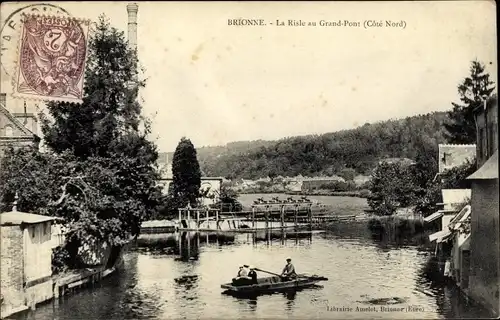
(359, 149)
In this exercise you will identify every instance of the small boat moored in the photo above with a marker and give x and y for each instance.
(274, 284)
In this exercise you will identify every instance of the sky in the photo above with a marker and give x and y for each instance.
(216, 83)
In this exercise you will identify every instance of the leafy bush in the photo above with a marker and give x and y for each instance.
(60, 259)
(392, 186)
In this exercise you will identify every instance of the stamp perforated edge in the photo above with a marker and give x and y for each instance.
(17, 69)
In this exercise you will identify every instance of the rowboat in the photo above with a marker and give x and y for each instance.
(274, 284)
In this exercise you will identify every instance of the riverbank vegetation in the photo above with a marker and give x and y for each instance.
(98, 172)
(394, 185)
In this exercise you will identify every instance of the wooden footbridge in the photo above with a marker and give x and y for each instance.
(264, 215)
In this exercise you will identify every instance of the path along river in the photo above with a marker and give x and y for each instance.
(365, 272)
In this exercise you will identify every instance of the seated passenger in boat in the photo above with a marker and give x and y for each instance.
(288, 271)
(242, 279)
(253, 275)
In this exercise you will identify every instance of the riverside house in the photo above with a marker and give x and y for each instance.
(484, 280)
(26, 261)
(453, 245)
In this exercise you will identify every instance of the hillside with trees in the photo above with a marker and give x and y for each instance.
(327, 154)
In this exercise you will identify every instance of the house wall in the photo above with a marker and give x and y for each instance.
(11, 268)
(5, 123)
(38, 262)
(484, 279)
(445, 220)
(214, 185)
(38, 251)
(451, 155)
(487, 132)
(456, 255)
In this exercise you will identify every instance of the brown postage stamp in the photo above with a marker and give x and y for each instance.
(51, 59)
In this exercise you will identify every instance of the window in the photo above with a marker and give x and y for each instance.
(447, 158)
(9, 131)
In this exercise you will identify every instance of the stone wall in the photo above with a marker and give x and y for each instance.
(485, 232)
(39, 293)
(11, 259)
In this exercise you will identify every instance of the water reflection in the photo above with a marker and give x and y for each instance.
(361, 270)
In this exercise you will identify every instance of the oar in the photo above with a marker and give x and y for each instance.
(275, 274)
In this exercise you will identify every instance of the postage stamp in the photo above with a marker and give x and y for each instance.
(52, 56)
(10, 33)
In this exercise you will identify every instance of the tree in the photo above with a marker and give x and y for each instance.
(186, 173)
(348, 174)
(473, 90)
(100, 173)
(109, 107)
(392, 186)
(228, 200)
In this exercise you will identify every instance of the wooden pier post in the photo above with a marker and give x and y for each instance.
(179, 238)
(282, 216)
(197, 219)
(188, 238)
(253, 217)
(310, 215)
(217, 219)
(296, 211)
(267, 217)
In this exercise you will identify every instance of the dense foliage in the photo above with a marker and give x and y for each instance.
(186, 173)
(100, 173)
(473, 91)
(328, 154)
(395, 185)
(228, 200)
(392, 186)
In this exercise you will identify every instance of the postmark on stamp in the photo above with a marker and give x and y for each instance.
(10, 33)
(52, 57)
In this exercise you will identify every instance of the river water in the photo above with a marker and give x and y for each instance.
(365, 272)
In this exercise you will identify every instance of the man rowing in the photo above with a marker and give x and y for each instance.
(288, 271)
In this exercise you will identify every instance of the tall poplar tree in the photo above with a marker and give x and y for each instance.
(186, 174)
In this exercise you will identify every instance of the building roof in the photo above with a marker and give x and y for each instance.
(489, 170)
(434, 216)
(440, 236)
(15, 121)
(18, 218)
(460, 218)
